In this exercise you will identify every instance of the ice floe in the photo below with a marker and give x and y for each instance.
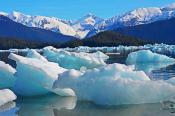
(146, 56)
(6, 96)
(34, 76)
(115, 84)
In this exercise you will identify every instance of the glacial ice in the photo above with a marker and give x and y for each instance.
(73, 60)
(34, 76)
(112, 84)
(146, 56)
(7, 78)
(6, 96)
(34, 54)
(115, 84)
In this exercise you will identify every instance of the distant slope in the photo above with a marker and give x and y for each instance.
(107, 38)
(160, 31)
(8, 43)
(11, 29)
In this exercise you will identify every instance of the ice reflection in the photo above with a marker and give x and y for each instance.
(8, 109)
(88, 109)
(44, 105)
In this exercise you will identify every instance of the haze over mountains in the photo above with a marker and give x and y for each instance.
(90, 25)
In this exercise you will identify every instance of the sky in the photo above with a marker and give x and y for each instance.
(74, 9)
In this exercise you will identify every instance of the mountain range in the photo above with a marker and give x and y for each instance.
(90, 24)
(152, 24)
(14, 30)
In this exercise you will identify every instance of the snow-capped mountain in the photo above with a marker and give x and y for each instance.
(86, 24)
(49, 23)
(142, 16)
(90, 24)
(136, 17)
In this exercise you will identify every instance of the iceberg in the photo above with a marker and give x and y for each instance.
(6, 96)
(115, 84)
(34, 76)
(73, 60)
(146, 56)
(34, 54)
(7, 78)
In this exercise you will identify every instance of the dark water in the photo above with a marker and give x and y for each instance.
(52, 105)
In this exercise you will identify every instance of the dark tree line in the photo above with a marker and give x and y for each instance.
(107, 38)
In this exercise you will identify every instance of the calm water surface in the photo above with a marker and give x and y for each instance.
(52, 105)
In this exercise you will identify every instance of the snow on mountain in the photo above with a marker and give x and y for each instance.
(136, 17)
(91, 24)
(86, 23)
(49, 23)
(142, 16)
(3, 13)
(169, 7)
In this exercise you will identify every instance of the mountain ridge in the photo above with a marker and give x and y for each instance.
(90, 25)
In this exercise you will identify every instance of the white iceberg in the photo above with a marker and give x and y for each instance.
(34, 76)
(146, 56)
(7, 78)
(6, 96)
(73, 60)
(34, 54)
(115, 84)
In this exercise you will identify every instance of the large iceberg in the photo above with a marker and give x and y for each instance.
(146, 56)
(6, 96)
(73, 60)
(7, 78)
(115, 84)
(34, 76)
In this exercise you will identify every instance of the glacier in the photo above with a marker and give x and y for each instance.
(7, 78)
(6, 96)
(73, 60)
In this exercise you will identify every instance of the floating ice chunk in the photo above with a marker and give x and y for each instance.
(99, 54)
(6, 96)
(7, 78)
(116, 84)
(33, 54)
(34, 76)
(72, 60)
(146, 56)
